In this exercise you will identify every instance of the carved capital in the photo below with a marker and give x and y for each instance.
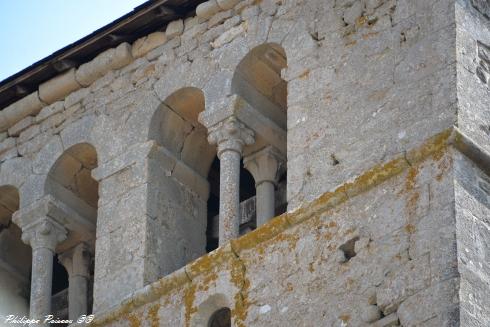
(44, 233)
(230, 135)
(265, 165)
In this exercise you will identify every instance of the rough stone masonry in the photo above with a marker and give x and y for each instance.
(363, 125)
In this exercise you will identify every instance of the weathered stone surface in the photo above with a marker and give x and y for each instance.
(390, 217)
(175, 28)
(50, 110)
(20, 126)
(27, 106)
(227, 4)
(58, 87)
(207, 9)
(145, 44)
(108, 60)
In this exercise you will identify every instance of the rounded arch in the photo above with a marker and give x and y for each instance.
(212, 305)
(257, 79)
(70, 179)
(175, 126)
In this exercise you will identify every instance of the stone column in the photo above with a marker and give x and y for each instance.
(43, 236)
(76, 262)
(265, 166)
(230, 135)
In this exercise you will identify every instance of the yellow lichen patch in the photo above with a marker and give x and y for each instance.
(411, 179)
(242, 303)
(133, 321)
(153, 315)
(375, 176)
(345, 318)
(435, 145)
(305, 74)
(189, 298)
(369, 35)
(206, 263)
(410, 229)
(265, 232)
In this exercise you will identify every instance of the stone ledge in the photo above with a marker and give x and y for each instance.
(204, 265)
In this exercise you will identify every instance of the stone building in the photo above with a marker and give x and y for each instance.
(254, 163)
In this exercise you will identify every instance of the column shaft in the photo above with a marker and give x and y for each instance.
(77, 297)
(265, 202)
(229, 206)
(41, 283)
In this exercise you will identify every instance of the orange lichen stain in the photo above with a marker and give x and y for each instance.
(345, 318)
(242, 302)
(304, 75)
(153, 315)
(189, 298)
(311, 267)
(289, 287)
(376, 176)
(349, 231)
(411, 179)
(361, 21)
(351, 43)
(435, 146)
(266, 232)
(332, 224)
(149, 70)
(410, 229)
(378, 95)
(133, 321)
(369, 35)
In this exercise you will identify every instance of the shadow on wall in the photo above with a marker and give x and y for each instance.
(15, 259)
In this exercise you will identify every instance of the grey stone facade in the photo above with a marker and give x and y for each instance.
(371, 115)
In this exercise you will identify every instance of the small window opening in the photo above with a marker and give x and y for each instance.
(221, 318)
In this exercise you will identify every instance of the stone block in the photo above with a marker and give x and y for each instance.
(7, 144)
(227, 4)
(50, 110)
(76, 97)
(388, 321)
(228, 36)
(207, 9)
(108, 60)
(413, 277)
(145, 44)
(27, 106)
(29, 133)
(21, 126)
(58, 87)
(175, 28)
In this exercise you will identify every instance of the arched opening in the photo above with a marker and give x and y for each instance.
(178, 180)
(221, 318)
(15, 259)
(247, 204)
(258, 81)
(71, 185)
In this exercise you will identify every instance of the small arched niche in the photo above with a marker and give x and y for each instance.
(70, 182)
(258, 80)
(15, 258)
(213, 312)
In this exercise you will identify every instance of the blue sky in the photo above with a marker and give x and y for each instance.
(33, 29)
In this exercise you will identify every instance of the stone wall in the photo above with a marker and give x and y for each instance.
(379, 251)
(367, 81)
